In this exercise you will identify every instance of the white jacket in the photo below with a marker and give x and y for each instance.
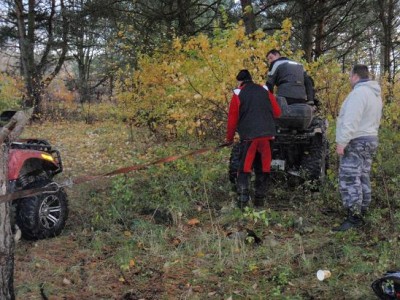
(360, 113)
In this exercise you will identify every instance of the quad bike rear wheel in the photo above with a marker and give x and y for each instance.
(315, 159)
(42, 216)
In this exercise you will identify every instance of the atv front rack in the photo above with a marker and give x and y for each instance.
(32, 144)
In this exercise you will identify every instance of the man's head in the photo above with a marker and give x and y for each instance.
(243, 75)
(358, 73)
(273, 55)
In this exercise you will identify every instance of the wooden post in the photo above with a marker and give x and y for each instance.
(8, 133)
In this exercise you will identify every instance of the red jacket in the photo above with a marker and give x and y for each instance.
(251, 112)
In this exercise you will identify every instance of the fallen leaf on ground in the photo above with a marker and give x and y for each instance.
(132, 263)
(193, 222)
(176, 241)
(200, 254)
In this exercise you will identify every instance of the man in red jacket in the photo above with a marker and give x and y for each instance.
(251, 113)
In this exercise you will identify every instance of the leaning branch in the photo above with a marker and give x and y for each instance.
(14, 127)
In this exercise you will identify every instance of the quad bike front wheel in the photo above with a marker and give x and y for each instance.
(42, 216)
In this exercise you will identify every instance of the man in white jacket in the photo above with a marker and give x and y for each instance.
(356, 142)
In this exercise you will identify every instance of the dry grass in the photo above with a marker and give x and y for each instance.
(119, 252)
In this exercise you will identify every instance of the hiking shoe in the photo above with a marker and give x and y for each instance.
(259, 201)
(243, 201)
(242, 204)
(364, 211)
(352, 221)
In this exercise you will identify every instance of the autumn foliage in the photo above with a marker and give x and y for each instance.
(10, 91)
(185, 88)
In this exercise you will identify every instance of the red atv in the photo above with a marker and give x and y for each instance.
(33, 163)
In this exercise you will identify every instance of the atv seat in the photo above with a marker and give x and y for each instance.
(295, 116)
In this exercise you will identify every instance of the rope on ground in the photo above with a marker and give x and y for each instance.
(54, 187)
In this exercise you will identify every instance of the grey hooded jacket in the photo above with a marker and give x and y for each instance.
(360, 113)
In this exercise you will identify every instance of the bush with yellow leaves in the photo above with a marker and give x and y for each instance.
(10, 92)
(185, 87)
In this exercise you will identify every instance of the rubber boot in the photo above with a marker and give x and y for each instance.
(260, 189)
(353, 220)
(242, 186)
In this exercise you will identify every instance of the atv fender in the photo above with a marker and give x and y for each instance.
(29, 160)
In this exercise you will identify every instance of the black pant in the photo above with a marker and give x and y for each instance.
(260, 185)
(242, 179)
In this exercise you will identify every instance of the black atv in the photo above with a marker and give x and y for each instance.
(300, 148)
(32, 164)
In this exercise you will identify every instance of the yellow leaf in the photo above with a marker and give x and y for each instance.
(200, 254)
(193, 222)
(132, 263)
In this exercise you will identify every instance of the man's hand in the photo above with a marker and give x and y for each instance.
(340, 149)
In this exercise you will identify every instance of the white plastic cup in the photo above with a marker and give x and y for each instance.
(323, 274)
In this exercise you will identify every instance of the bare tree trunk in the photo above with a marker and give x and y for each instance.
(185, 24)
(319, 34)
(308, 24)
(249, 17)
(386, 16)
(9, 132)
(6, 237)
(83, 58)
(111, 88)
(26, 49)
(34, 72)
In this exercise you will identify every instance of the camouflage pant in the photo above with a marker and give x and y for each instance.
(354, 172)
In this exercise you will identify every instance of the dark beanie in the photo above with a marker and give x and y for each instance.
(244, 75)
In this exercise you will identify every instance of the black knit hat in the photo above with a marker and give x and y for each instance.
(244, 75)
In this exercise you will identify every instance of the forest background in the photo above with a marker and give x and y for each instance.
(116, 83)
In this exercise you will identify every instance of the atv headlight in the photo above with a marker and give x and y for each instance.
(47, 157)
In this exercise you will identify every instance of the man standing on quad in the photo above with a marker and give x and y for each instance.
(251, 112)
(289, 76)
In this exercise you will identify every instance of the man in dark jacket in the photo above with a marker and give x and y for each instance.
(289, 76)
(251, 112)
